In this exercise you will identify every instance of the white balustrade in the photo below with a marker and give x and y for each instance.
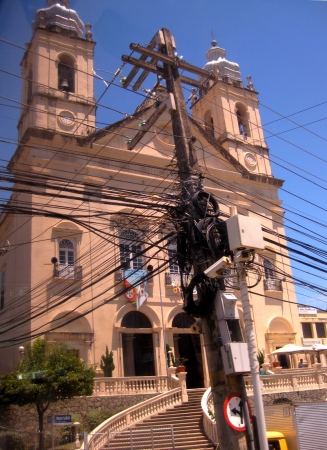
(98, 438)
(209, 424)
(288, 382)
(174, 382)
(129, 385)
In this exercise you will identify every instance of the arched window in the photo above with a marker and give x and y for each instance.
(29, 86)
(242, 119)
(66, 74)
(69, 327)
(208, 124)
(135, 319)
(66, 268)
(271, 281)
(130, 249)
(172, 253)
(269, 269)
(66, 252)
(183, 320)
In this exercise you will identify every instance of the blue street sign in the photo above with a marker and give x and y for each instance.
(60, 419)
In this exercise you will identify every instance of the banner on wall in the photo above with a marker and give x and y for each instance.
(138, 292)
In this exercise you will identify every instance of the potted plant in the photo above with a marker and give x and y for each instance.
(107, 363)
(261, 357)
(181, 364)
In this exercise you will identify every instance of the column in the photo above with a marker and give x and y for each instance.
(206, 378)
(129, 368)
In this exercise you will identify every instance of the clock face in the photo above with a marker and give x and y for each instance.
(234, 412)
(250, 159)
(67, 118)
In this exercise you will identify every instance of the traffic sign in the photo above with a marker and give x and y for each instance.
(234, 412)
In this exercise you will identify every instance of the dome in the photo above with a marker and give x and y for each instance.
(218, 62)
(58, 16)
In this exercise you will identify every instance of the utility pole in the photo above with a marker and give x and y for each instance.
(201, 236)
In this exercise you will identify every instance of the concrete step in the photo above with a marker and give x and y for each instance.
(177, 421)
(194, 415)
(196, 444)
(166, 422)
(182, 413)
(137, 440)
(192, 407)
(189, 446)
(177, 426)
(186, 420)
(178, 434)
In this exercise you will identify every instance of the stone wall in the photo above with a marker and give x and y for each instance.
(306, 396)
(25, 417)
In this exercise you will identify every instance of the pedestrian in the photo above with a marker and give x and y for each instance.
(300, 365)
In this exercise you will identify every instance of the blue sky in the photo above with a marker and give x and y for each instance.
(280, 43)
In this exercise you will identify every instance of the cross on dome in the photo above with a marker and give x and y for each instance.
(217, 61)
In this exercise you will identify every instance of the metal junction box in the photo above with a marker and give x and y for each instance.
(235, 358)
(228, 304)
(244, 232)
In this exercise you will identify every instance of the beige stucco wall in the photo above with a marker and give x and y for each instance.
(53, 150)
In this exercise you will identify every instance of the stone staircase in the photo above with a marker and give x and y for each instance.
(186, 420)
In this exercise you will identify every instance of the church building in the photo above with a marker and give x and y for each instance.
(86, 213)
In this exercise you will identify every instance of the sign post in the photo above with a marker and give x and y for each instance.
(58, 420)
(52, 434)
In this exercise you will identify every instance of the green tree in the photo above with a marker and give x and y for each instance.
(107, 363)
(46, 374)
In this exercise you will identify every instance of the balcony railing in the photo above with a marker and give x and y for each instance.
(176, 278)
(68, 271)
(119, 276)
(272, 284)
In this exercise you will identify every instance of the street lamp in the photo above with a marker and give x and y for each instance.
(21, 350)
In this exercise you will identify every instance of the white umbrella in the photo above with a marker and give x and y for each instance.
(290, 348)
(319, 347)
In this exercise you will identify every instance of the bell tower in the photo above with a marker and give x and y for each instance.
(58, 93)
(229, 112)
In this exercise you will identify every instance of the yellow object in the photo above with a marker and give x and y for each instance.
(276, 440)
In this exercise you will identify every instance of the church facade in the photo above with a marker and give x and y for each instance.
(86, 213)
